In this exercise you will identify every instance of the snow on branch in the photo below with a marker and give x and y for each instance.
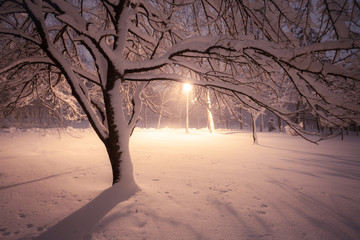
(19, 34)
(241, 89)
(26, 61)
(268, 54)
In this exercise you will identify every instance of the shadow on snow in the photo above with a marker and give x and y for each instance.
(80, 224)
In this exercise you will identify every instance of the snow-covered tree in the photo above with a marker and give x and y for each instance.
(108, 51)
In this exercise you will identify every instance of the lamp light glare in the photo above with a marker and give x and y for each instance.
(187, 87)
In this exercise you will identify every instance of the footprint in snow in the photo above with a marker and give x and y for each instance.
(225, 190)
(41, 228)
(261, 212)
(4, 232)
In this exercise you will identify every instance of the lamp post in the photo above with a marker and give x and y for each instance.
(187, 89)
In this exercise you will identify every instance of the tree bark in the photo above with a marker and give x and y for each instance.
(117, 146)
(240, 119)
(117, 143)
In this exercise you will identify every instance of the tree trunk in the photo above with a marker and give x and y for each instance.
(253, 123)
(240, 119)
(279, 124)
(161, 110)
(117, 146)
(304, 120)
(297, 115)
(159, 120)
(209, 114)
(145, 117)
(318, 123)
(117, 143)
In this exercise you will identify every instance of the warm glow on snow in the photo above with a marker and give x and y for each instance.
(193, 187)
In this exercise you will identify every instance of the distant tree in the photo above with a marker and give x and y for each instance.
(163, 94)
(108, 51)
(37, 90)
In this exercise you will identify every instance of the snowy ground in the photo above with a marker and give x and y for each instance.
(196, 186)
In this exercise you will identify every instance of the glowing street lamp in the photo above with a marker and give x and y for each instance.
(187, 88)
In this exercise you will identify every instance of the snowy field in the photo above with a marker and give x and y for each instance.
(196, 186)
